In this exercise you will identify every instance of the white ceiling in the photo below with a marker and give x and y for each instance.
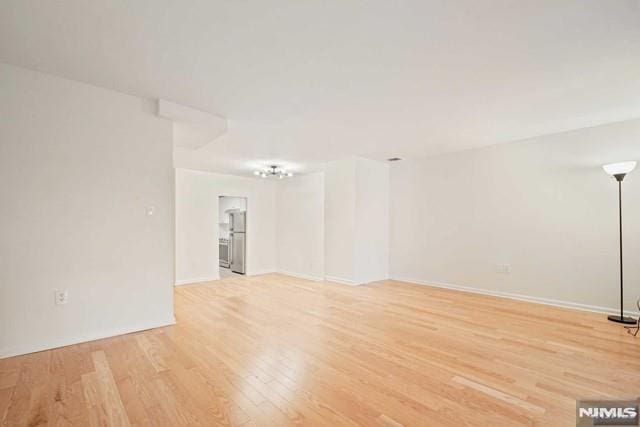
(306, 81)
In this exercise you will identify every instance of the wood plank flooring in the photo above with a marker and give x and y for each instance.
(276, 351)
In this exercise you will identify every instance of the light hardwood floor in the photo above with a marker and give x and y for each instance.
(274, 350)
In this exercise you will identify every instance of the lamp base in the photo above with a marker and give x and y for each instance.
(625, 319)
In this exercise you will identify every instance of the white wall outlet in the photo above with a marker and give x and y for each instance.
(62, 297)
(503, 268)
(151, 210)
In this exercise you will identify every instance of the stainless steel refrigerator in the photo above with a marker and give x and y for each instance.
(237, 238)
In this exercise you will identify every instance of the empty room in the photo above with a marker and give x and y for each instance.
(319, 213)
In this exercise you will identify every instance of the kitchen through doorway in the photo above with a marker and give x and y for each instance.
(232, 237)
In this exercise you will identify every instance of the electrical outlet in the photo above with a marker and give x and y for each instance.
(61, 297)
(150, 210)
(503, 268)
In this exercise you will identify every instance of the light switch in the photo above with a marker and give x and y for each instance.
(150, 210)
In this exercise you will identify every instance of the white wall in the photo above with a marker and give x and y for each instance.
(300, 220)
(197, 223)
(544, 206)
(356, 220)
(372, 221)
(79, 166)
(339, 221)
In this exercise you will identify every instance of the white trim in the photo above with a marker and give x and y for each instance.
(537, 300)
(342, 281)
(198, 280)
(301, 276)
(260, 272)
(26, 349)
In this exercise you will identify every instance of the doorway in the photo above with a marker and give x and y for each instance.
(232, 236)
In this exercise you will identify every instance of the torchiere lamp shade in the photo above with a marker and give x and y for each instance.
(620, 168)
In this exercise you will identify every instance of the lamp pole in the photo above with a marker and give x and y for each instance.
(614, 318)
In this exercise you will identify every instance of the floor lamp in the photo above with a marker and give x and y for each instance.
(619, 171)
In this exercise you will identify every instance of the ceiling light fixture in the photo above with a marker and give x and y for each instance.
(273, 170)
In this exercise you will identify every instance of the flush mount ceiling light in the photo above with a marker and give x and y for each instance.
(273, 170)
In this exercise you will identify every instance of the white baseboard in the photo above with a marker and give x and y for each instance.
(197, 280)
(342, 281)
(41, 346)
(260, 272)
(519, 297)
(301, 275)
